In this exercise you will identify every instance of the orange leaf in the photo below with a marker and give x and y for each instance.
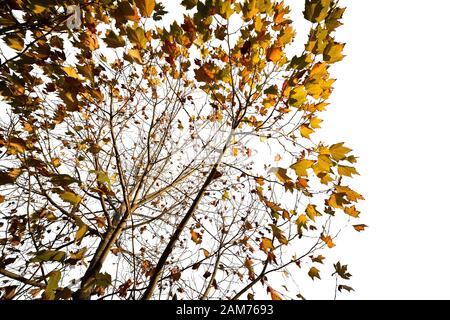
(360, 227)
(352, 212)
(274, 54)
(266, 244)
(196, 237)
(273, 294)
(327, 240)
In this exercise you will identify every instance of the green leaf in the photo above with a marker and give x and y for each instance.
(63, 180)
(113, 40)
(137, 36)
(102, 279)
(271, 90)
(52, 285)
(82, 229)
(189, 4)
(49, 255)
(70, 197)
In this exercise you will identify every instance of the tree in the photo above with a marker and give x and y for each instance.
(143, 162)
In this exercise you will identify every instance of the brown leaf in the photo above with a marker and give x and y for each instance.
(314, 273)
(360, 227)
(318, 259)
(175, 273)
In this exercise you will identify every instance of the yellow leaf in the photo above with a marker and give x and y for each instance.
(274, 54)
(278, 234)
(325, 178)
(301, 166)
(318, 71)
(71, 72)
(10, 176)
(82, 229)
(315, 122)
(338, 151)
(323, 164)
(249, 9)
(226, 195)
(14, 41)
(16, 145)
(205, 253)
(298, 96)
(70, 197)
(337, 200)
(312, 212)
(346, 171)
(302, 221)
(146, 7)
(134, 55)
(314, 273)
(56, 162)
(352, 212)
(234, 151)
(266, 244)
(259, 180)
(305, 131)
(349, 193)
(333, 52)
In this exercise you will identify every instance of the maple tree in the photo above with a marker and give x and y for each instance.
(148, 162)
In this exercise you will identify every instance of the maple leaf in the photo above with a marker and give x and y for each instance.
(328, 240)
(314, 273)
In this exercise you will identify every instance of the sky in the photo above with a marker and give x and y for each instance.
(390, 104)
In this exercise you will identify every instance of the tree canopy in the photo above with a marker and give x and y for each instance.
(146, 161)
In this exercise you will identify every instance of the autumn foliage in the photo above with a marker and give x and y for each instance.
(141, 159)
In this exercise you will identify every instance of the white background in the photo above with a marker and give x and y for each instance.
(391, 105)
